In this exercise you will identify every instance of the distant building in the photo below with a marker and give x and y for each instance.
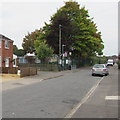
(28, 58)
(22, 59)
(6, 52)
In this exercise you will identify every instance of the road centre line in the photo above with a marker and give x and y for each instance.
(73, 111)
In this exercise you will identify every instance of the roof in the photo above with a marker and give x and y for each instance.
(14, 56)
(5, 38)
(30, 54)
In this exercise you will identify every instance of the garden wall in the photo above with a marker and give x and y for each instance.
(24, 71)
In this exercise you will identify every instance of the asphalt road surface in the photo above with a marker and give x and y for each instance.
(53, 98)
(103, 103)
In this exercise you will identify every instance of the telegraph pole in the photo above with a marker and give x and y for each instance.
(60, 41)
(60, 61)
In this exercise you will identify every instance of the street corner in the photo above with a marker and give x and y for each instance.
(8, 77)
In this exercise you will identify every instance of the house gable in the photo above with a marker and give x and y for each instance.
(6, 51)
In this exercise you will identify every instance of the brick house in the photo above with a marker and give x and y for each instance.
(6, 52)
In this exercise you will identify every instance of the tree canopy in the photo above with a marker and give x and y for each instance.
(79, 33)
(18, 52)
(28, 40)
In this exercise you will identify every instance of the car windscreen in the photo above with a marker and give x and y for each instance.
(98, 66)
(110, 61)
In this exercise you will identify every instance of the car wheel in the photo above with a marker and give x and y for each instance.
(92, 74)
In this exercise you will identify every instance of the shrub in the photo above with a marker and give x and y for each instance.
(118, 64)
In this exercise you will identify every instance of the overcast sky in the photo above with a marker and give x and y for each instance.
(18, 18)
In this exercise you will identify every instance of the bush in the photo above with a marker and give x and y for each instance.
(118, 64)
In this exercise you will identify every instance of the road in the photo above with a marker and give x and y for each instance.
(103, 103)
(53, 98)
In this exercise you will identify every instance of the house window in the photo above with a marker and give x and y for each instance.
(6, 62)
(6, 44)
(22, 60)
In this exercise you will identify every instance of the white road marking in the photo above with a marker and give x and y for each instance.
(73, 111)
(112, 98)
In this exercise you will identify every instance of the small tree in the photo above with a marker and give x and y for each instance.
(18, 52)
(15, 49)
(43, 51)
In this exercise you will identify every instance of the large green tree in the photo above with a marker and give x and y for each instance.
(78, 31)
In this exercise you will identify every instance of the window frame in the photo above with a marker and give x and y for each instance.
(7, 44)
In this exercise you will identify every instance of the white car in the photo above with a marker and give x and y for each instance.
(110, 62)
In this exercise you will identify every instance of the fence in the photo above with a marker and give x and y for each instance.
(42, 67)
(24, 71)
(88, 61)
(28, 71)
(73, 63)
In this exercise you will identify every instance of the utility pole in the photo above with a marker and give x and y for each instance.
(60, 61)
(60, 41)
(63, 56)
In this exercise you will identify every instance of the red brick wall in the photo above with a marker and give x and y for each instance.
(4, 52)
